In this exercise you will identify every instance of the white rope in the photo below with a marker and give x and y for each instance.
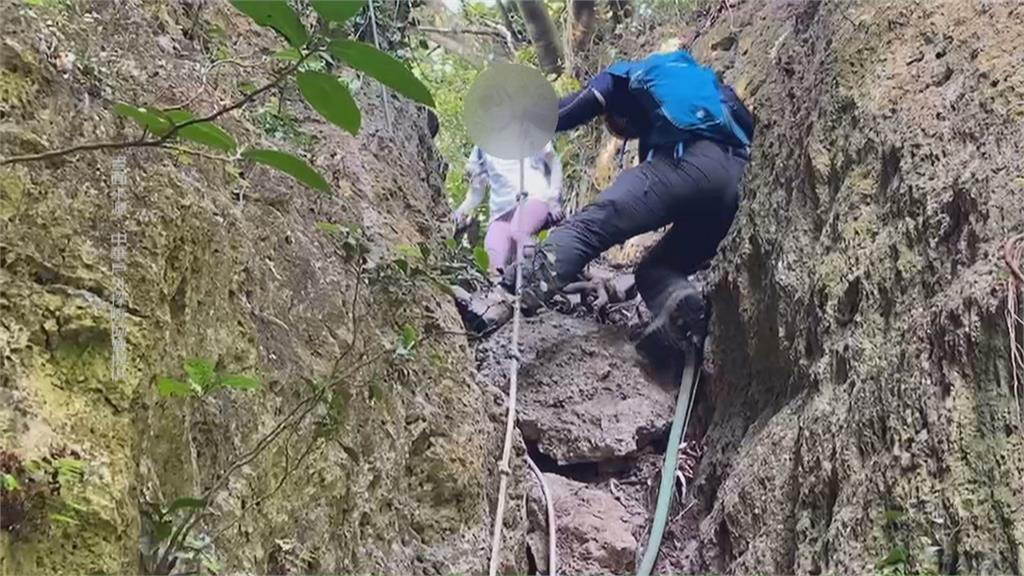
(549, 503)
(503, 466)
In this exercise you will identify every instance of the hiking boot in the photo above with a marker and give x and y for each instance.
(681, 321)
(483, 313)
(539, 283)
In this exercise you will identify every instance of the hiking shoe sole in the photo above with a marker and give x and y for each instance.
(682, 320)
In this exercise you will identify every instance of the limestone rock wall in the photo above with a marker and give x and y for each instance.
(861, 384)
(227, 265)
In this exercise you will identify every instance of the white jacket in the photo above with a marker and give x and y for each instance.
(543, 180)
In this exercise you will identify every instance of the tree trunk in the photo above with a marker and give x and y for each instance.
(542, 33)
(469, 53)
(584, 18)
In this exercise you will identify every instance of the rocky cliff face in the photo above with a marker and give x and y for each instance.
(858, 411)
(861, 388)
(857, 404)
(229, 266)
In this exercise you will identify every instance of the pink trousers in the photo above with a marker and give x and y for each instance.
(514, 227)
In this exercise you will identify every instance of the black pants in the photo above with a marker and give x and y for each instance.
(698, 194)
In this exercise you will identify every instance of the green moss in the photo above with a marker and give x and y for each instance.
(53, 5)
(101, 539)
(16, 91)
(12, 193)
(80, 354)
(82, 548)
(64, 373)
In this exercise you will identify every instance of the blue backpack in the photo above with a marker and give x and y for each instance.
(683, 99)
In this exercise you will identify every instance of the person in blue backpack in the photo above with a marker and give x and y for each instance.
(694, 143)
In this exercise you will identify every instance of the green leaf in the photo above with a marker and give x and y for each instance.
(210, 563)
(170, 388)
(182, 503)
(424, 250)
(288, 55)
(34, 466)
(385, 68)
(205, 133)
(145, 117)
(69, 469)
(161, 531)
(9, 483)
(315, 62)
(289, 164)
(408, 337)
(331, 99)
(339, 11)
(409, 251)
(201, 372)
(898, 555)
(276, 14)
(893, 516)
(240, 382)
(402, 265)
(482, 260)
(329, 228)
(62, 518)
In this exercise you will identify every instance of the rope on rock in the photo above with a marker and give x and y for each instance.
(1013, 254)
(549, 503)
(510, 420)
(684, 403)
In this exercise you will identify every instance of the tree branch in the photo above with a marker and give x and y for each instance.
(496, 32)
(159, 142)
(78, 148)
(477, 31)
(199, 153)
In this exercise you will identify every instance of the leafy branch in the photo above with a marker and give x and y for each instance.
(40, 489)
(169, 133)
(331, 98)
(175, 538)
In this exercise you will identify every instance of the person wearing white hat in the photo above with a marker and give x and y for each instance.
(510, 224)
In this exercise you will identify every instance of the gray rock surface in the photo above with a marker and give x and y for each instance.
(596, 532)
(583, 393)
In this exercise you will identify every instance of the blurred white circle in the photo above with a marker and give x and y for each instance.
(511, 111)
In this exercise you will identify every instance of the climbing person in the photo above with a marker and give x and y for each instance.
(512, 224)
(694, 143)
